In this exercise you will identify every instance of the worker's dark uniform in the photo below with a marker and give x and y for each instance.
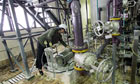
(51, 35)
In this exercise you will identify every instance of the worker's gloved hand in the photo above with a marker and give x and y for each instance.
(45, 42)
(54, 46)
(67, 46)
(50, 43)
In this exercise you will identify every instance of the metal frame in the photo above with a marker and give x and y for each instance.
(13, 23)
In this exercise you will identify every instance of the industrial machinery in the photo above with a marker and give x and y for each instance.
(117, 32)
(59, 61)
(120, 31)
(123, 22)
(88, 61)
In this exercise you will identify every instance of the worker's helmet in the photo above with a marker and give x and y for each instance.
(63, 26)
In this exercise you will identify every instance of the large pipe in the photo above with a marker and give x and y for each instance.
(115, 7)
(77, 23)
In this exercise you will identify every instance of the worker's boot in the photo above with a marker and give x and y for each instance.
(41, 72)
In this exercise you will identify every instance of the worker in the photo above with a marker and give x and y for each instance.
(47, 39)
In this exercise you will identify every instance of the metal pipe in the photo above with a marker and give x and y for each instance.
(114, 49)
(108, 9)
(100, 9)
(115, 7)
(11, 6)
(97, 9)
(69, 26)
(87, 15)
(101, 48)
(77, 23)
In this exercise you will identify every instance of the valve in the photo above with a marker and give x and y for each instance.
(131, 3)
(99, 28)
(104, 70)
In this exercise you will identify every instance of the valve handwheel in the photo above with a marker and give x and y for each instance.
(99, 28)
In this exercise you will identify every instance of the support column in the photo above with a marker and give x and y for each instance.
(23, 55)
(9, 19)
(1, 34)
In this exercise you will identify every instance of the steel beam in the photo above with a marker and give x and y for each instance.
(29, 31)
(2, 35)
(13, 37)
(61, 4)
(52, 16)
(2, 17)
(23, 37)
(32, 12)
(23, 55)
(58, 11)
(45, 2)
(14, 58)
(9, 19)
(17, 58)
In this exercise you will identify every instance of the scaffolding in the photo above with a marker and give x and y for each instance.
(8, 6)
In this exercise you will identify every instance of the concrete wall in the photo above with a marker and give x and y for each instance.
(83, 12)
(103, 5)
